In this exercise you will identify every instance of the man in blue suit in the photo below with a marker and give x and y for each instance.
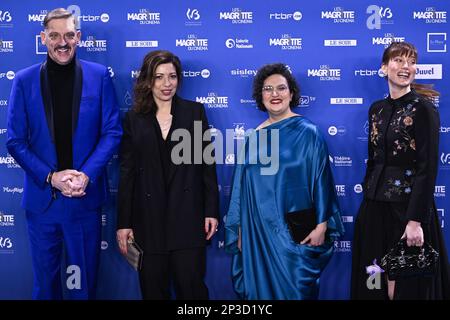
(63, 128)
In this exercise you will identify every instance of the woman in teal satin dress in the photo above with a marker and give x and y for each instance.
(269, 260)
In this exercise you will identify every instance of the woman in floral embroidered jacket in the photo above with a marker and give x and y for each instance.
(399, 183)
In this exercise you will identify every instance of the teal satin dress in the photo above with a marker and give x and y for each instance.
(271, 265)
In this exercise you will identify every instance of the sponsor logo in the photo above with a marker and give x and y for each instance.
(205, 73)
(333, 130)
(237, 16)
(6, 245)
(296, 16)
(340, 42)
(431, 15)
(3, 131)
(193, 18)
(387, 39)
(104, 17)
(378, 16)
(247, 101)
(104, 220)
(325, 73)
(135, 74)
(346, 100)
(111, 72)
(437, 42)
(192, 43)
(5, 19)
(441, 129)
(358, 188)
(144, 16)
(439, 191)
(342, 246)
(445, 159)
(91, 44)
(435, 101)
(238, 43)
(6, 46)
(9, 162)
(286, 42)
(213, 101)
(338, 15)
(37, 17)
(365, 131)
(348, 219)
(104, 245)
(341, 161)
(340, 190)
(127, 99)
(7, 75)
(244, 73)
(40, 48)
(6, 220)
(3, 103)
(12, 190)
(305, 101)
(369, 73)
(428, 71)
(141, 44)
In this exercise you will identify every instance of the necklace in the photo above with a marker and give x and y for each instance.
(164, 125)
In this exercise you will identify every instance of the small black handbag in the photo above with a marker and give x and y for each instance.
(403, 261)
(301, 223)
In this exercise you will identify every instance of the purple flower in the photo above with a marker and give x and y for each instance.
(374, 268)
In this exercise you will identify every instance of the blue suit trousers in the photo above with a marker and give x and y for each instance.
(76, 233)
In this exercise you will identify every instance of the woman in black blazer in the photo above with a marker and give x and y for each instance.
(167, 201)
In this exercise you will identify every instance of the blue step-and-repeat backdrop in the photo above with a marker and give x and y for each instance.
(333, 48)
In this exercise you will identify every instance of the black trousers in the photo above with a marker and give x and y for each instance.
(185, 269)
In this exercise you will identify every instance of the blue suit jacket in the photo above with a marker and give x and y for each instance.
(96, 131)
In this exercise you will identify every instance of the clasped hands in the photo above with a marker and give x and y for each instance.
(71, 183)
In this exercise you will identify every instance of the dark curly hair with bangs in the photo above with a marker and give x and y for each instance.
(271, 69)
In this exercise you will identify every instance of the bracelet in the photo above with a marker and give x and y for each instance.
(49, 177)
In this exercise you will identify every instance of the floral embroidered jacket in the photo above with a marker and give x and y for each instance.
(403, 153)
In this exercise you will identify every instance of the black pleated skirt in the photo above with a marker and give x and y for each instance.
(378, 227)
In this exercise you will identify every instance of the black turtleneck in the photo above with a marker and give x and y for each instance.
(61, 81)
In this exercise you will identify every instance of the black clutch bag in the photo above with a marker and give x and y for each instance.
(301, 223)
(403, 261)
(134, 255)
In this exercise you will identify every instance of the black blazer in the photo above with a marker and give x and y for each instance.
(165, 208)
(403, 154)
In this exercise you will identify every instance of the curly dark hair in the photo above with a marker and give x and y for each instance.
(143, 96)
(271, 69)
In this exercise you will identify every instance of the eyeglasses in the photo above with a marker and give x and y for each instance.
(54, 36)
(281, 89)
